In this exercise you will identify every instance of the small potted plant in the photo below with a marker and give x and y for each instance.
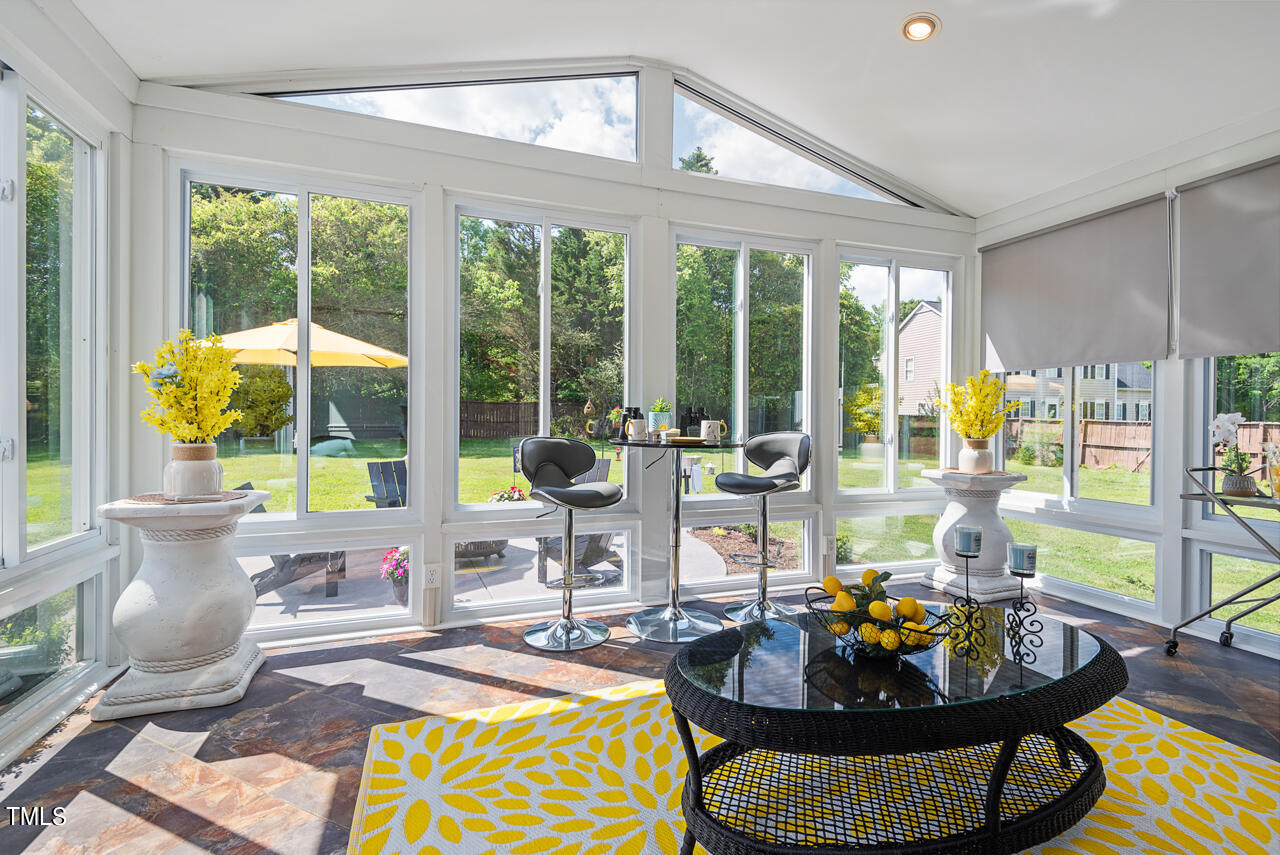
(976, 413)
(190, 383)
(1235, 463)
(395, 569)
(263, 398)
(660, 415)
(615, 420)
(864, 411)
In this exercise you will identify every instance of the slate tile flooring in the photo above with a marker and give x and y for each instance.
(278, 771)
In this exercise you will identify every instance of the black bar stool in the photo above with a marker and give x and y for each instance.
(784, 456)
(551, 464)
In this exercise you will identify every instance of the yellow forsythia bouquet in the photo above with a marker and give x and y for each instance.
(190, 383)
(975, 408)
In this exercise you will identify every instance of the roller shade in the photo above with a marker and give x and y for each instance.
(1093, 291)
(1229, 261)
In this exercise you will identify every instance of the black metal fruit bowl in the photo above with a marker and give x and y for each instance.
(870, 636)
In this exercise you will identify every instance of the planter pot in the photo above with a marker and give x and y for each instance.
(659, 421)
(479, 548)
(1240, 486)
(193, 473)
(400, 588)
(976, 457)
(871, 449)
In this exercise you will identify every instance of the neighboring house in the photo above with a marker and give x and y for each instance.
(1117, 392)
(920, 340)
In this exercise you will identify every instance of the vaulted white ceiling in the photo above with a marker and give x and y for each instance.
(1011, 99)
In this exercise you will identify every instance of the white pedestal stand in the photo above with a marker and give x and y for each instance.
(972, 500)
(183, 616)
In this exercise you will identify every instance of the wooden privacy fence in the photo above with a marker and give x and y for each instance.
(1102, 444)
(510, 419)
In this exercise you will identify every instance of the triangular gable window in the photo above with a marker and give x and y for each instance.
(710, 142)
(591, 115)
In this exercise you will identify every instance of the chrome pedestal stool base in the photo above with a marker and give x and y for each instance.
(564, 635)
(673, 625)
(756, 610)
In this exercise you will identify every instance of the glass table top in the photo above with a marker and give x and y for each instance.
(685, 446)
(797, 665)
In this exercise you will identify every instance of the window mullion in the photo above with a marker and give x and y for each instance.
(1069, 432)
(741, 347)
(302, 424)
(12, 332)
(81, 298)
(544, 331)
(889, 408)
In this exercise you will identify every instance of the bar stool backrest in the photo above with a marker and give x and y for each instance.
(780, 451)
(555, 461)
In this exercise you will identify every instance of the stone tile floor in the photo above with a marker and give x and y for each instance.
(278, 771)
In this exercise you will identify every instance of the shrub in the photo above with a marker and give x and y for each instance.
(844, 548)
(262, 398)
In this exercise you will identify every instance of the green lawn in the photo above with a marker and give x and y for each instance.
(857, 473)
(337, 483)
(1230, 574)
(48, 498)
(1109, 485)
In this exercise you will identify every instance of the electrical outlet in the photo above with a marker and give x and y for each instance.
(431, 576)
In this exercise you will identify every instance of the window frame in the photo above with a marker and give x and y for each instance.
(547, 218)
(743, 243)
(952, 266)
(183, 173)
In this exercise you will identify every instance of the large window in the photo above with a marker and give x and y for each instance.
(1229, 574)
(1106, 445)
(707, 141)
(592, 115)
(44, 640)
(57, 369)
(541, 346)
(890, 313)
(1249, 385)
(1117, 564)
(245, 286)
(740, 344)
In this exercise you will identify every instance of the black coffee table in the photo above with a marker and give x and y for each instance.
(829, 752)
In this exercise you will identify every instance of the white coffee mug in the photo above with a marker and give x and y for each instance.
(636, 430)
(713, 431)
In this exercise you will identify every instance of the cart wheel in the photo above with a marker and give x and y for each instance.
(1226, 638)
(1171, 647)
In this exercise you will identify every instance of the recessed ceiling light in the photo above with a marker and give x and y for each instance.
(920, 26)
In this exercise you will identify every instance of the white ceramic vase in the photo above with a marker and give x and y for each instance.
(193, 473)
(976, 457)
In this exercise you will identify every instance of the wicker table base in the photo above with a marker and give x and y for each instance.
(997, 798)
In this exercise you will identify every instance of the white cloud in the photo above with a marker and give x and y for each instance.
(594, 116)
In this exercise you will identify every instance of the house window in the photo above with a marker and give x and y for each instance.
(1248, 384)
(540, 345)
(710, 139)
(909, 369)
(1113, 461)
(592, 115)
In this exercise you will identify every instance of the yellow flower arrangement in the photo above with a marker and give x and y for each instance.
(190, 384)
(975, 408)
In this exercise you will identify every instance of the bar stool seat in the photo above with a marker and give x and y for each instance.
(551, 464)
(784, 456)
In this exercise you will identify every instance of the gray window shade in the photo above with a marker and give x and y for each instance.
(1229, 256)
(1094, 291)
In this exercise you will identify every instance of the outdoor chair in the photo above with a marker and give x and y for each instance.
(551, 464)
(784, 456)
(390, 482)
(286, 568)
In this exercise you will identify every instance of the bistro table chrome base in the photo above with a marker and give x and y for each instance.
(754, 610)
(566, 635)
(673, 624)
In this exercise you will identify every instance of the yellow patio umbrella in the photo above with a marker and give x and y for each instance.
(277, 344)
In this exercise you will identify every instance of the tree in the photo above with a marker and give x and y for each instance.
(698, 161)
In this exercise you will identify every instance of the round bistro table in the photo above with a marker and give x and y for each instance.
(829, 752)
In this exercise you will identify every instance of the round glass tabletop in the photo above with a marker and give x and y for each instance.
(797, 665)
(684, 446)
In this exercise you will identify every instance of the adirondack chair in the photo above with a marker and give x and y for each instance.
(589, 549)
(390, 482)
(289, 568)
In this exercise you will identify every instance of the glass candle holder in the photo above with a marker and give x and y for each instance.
(1022, 560)
(968, 541)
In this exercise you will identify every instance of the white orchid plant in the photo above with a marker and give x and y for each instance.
(1222, 433)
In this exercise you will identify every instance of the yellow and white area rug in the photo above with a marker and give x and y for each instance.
(602, 773)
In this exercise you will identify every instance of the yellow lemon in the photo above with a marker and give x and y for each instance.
(880, 610)
(832, 585)
(906, 608)
(911, 633)
(843, 602)
(839, 628)
(889, 640)
(921, 612)
(869, 633)
(868, 576)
